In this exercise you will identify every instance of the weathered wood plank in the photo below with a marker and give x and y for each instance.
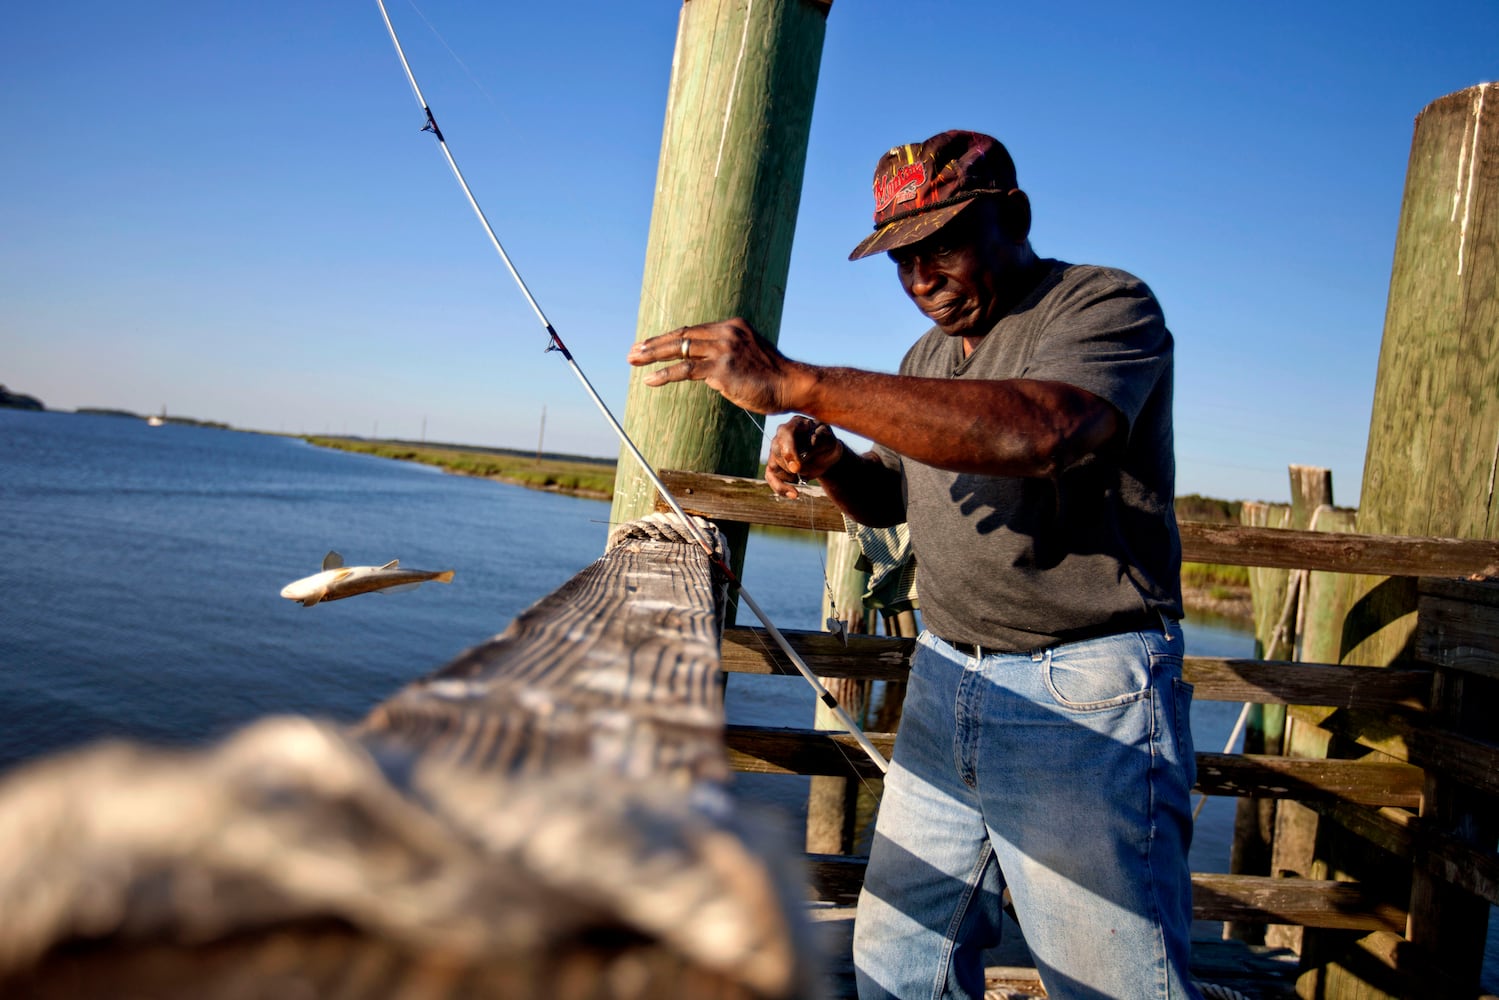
(1292, 683)
(766, 750)
(736, 499)
(617, 670)
(1309, 780)
(1335, 552)
(863, 657)
(750, 650)
(1404, 835)
(1474, 762)
(1457, 626)
(1307, 902)
(763, 750)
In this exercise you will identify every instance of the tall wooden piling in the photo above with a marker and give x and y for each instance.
(733, 150)
(1434, 434)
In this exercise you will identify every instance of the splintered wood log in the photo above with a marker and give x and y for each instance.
(546, 816)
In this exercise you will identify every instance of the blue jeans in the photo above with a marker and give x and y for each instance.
(1063, 775)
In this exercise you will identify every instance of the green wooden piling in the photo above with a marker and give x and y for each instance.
(733, 150)
(1434, 434)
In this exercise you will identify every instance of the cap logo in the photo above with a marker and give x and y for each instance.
(899, 186)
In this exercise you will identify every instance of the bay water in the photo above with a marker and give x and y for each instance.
(142, 568)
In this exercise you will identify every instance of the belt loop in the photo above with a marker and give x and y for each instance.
(1165, 624)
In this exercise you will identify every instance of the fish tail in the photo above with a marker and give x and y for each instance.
(446, 576)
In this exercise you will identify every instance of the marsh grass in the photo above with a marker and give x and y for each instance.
(578, 478)
(1215, 580)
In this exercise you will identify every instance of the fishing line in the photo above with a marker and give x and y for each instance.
(463, 65)
(556, 344)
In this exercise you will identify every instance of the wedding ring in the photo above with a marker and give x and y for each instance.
(684, 348)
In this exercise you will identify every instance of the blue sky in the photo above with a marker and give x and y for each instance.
(227, 209)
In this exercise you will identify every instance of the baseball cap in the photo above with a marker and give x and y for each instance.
(920, 187)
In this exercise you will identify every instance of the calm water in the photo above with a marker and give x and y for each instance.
(143, 568)
(145, 565)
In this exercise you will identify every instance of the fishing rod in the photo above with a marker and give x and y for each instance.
(557, 345)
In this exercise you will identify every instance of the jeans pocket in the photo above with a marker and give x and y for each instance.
(1099, 673)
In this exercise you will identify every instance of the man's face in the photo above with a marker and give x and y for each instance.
(958, 276)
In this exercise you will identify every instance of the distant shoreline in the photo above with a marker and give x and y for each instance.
(590, 478)
(1219, 591)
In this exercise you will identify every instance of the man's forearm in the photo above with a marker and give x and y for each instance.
(865, 489)
(1017, 427)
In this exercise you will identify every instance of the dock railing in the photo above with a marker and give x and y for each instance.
(1412, 772)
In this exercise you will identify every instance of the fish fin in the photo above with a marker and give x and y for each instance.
(333, 561)
(446, 576)
(392, 564)
(310, 601)
(400, 587)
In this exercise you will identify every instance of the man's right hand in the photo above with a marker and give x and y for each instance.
(802, 449)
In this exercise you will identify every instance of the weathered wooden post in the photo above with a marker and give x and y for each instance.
(831, 800)
(1277, 595)
(1254, 819)
(1434, 433)
(733, 150)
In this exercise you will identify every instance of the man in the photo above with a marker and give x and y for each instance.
(1027, 441)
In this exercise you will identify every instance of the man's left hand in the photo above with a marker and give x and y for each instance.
(731, 357)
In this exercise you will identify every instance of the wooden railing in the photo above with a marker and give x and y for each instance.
(1421, 786)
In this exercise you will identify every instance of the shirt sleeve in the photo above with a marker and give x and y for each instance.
(1108, 335)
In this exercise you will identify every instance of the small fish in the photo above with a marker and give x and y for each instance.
(337, 580)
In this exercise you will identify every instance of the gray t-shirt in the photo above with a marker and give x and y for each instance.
(1018, 563)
